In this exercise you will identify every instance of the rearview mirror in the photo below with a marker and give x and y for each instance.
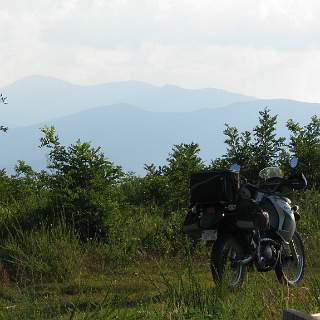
(235, 167)
(294, 162)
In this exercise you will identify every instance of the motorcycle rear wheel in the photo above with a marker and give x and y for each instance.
(290, 268)
(224, 266)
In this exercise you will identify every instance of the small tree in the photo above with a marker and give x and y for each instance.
(155, 186)
(239, 149)
(305, 144)
(253, 151)
(82, 181)
(181, 163)
(266, 147)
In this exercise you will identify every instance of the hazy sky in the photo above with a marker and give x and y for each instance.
(268, 48)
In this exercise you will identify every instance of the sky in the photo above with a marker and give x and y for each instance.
(268, 48)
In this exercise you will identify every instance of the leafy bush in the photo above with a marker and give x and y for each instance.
(165, 186)
(253, 150)
(305, 143)
(165, 237)
(150, 190)
(82, 183)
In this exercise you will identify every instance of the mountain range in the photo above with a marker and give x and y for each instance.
(36, 98)
(131, 128)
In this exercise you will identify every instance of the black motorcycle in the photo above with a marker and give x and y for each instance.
(250, 225)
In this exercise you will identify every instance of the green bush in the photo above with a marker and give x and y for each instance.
(165, 237)
(82, 184)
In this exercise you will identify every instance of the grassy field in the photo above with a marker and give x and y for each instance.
(147, 271)
(157, 289)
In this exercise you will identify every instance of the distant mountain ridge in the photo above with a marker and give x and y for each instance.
(37, 98)
(131, 136)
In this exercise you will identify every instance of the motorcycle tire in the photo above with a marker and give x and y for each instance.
(227, 249)
(286, 260)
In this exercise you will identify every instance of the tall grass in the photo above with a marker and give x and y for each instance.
(52, 253)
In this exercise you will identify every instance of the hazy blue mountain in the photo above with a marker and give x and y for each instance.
(35, 99)
(131, 136)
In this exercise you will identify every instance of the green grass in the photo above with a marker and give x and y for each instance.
(164, 289)
(142, 272)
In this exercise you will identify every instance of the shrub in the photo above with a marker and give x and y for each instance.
(82, 184)
(165, 237)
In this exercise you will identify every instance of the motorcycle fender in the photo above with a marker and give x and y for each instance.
(287, 224)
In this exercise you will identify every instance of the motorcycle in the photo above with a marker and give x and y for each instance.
(254, 229)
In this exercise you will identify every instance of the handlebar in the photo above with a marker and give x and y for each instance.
(275, 184)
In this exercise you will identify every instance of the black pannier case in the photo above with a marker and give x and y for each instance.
(214, 186)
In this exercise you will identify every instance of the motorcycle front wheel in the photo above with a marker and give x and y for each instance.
(225, 268)
(291, 265)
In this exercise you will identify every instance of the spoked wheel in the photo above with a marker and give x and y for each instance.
(291, 265)
(225, 267)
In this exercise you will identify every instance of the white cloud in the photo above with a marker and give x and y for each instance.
(276, 24)
(264, 48)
